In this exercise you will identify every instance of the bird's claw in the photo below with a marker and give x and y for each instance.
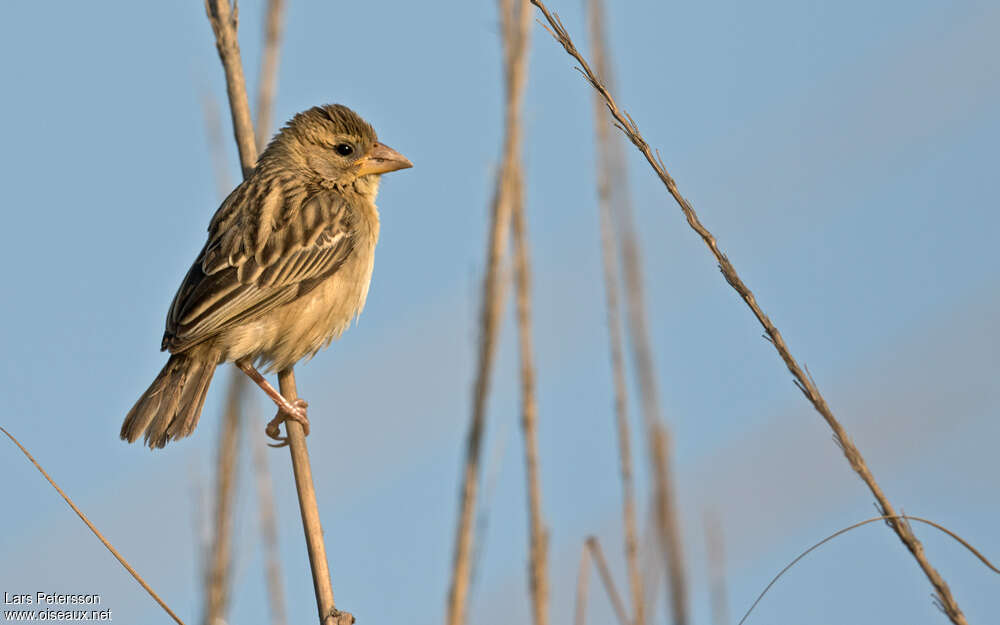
(298, 414)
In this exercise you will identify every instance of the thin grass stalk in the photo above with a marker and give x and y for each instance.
(461, 569)
(216, 560)
(803, 381)
(491, 473)
(592, 550)
(612, 164)
(515, 16)
(267, 87)
(964, 543)
(652, 564)
(609, 583)
(201, 526)
(668, 523)
(715, 550)
(218, 573)
(224, 21)
(608, 155)
(613, 177)
(582, 586)
(93, 528)
(489, 329)
(538, 548)
(301, 467)
(267, 80)
(461, 566)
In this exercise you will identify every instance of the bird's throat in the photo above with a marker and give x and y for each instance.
(367, 186)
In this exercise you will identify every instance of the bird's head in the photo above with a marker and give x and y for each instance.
(334, 146)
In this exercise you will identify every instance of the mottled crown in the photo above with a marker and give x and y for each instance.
(321, 124)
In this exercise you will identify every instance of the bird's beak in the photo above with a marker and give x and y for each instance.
(382, 159)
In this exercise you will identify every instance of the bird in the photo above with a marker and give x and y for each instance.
(285, 270)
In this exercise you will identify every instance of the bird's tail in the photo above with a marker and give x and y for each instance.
(170, 407)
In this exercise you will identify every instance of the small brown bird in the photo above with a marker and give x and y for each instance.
(285, 270)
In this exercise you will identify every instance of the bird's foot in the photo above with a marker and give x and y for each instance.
(297, 413)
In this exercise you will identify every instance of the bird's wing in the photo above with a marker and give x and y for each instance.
(263, 251)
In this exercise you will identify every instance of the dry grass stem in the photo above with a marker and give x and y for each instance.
(267, 86)
(651, 562)
(224, 24)
(218, 573)
(104, 541)
(715, 549)
(216, 564)
(515, 73)
(538, 554)
(609, 584)
(267, 80)
(610, 166)
(201, 526)
(515, 17)
(669, 530)
(491, 473)
(582, 583)
(224, 20)
(462, 558)
(901, 517)
(628, 126)
(301, 467)
(615, 202)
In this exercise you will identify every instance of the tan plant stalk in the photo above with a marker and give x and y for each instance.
(224, 20)
(538, 554)
(538, 548)
(516, 27)
(263, 481)
(609, 154)
(267, 80)
(328, 614)
(200, 525)
(652, 564)
(668, 523)
(216, 567)
(461, 569)
(218, 573)
(515, 75)
(805, 383)
(582, 579)
(489, 329)
(715, 549)
(594, 547)
(93, 528)
(267, 84)
(613, 176)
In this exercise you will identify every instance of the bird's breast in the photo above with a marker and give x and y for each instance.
(304, 326)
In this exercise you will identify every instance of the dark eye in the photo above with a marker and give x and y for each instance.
(344, 149)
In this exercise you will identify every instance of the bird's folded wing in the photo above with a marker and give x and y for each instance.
(255, 261)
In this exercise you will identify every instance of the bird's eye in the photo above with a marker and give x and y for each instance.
(344, 149)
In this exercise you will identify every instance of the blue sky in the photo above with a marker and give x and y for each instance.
(843, 153)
